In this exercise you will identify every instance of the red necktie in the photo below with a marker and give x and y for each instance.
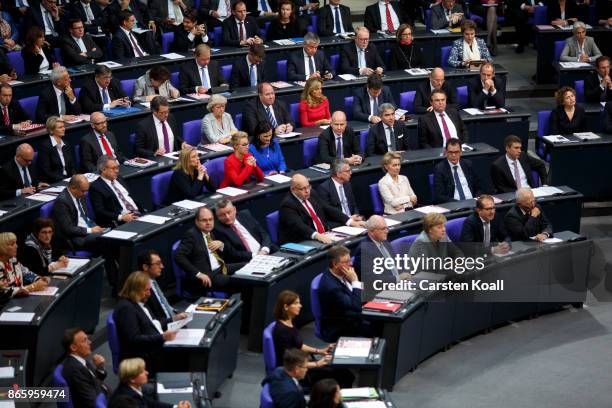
(7, 120)
(242, 34)
(447, 134)
(313, 215)
(242, 238)
(389, 19)
(106, 146)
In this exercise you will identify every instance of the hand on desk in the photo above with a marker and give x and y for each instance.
(169, 335)
(357, 223)
(323, 361)
(62, 262)
(28, 190)
(541, 237)
(128, 217)
(323, 238)
(97, 229)
(184, 404)
(501, 248)
(354, 160)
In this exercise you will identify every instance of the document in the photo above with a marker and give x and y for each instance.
(16, 317)
(283, 42)
(391, 222)
(348, 77)
(177, 325)
(153, 219)
(74, 264)
(172, 155)
(120, 234)
(281, 84)
(192, 309)
(552, 240)
(217, 147)
(198, 96)
(472, 111)
(351, 231)
(172, 56)
(187, 337)
(41, 197)
(365, 404)
(163, 390)
(287, 135)
(54, 190)
(7, 372)
(262, 265)
(545, 191)
(556, 139)
(49, 291)
(575, 64)
(432, 209)
(358, 393)
(417, 71)
(353, 347)
(279, 178)
(110, 64)
(2, 212)
(188, 204)
(399, 113)
(232, 191)
(587, 136)
(441, 31)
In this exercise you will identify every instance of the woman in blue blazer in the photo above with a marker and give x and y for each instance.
(469, 48)
(266, 150)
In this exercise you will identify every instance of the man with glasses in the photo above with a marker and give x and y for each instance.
(309, 62)
(158, 134)
(102, 92)
(100, 141)
(249, 71)
(483, 231)
(200, 75)
(455, 178)
(78, 47)
(361, 58)
(526, 220)
(18, 176)
(283, 382)
(338, 192)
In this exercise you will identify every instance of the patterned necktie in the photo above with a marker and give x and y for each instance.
(5, 116)
(447, 135)
(105, 97)
(264, 6)
(126, 203)
(339, 152)
(166, 137)
(163, 302)
(487, 233)
(26, 179)
(242, 34)
(344, 202)
(315, 218)
(209, 239)
(517, 175)
(338, 28)
(311, 65)
(106, 146)
(271, 119)
(243, 239)
(389, 19)
(137, 50)
(393, 145)
(253, 75)
(458, 183)
(83, 214)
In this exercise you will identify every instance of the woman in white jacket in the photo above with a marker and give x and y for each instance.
(394, 188)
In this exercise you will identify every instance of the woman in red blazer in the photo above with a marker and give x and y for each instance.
(314, 107)
(240, 166)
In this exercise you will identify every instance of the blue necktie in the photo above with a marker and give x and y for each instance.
(252, 75)
(311, 65)
(26, 179)
(105, 98)
(337, 17)
(458, 183)
(264, 6)
(205, 82)
(339, 147)
(271, 118)
(88, 221)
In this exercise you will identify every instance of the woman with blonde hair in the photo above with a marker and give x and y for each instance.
(189, 177)
(55, 156)
(218, 125)
(394, 188)
(240, 167)
(433, 242)
(314, 106)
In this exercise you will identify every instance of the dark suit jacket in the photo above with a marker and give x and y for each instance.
(31, 61)
(16, 115)
(325, 22)
(231, 37)
(181, 42)
(478, 99)
(252, 7)
(182, 187)
(340, 308)
(226, 234)
(422, 98)
(105, 204)
(10, 179)
(295, 65)
(47, 105)
(189, 76)
(554, 10)
(50, 164)
(592, 90)
(144, 401)
(377, 139)
(329, 195)
(326, 146)
(349, 61)
(560, 123)
(84, 387)
(501, 175)
(66, 217)
(77, 11)
(295, 224)
(71, 51)
(240, 73)
(146, 136)
(137, 7)
(607, 127)
(90, 98)
(361, 102)
(430, 133)
(521, 227)
(438, 19)
(472, 235)
(284, 391)
(444, 181)
(365, 254)
(122, 46)
(154, 306)
(34, 17)
(254, 112)
(372, 19)
(137, 335)
(91, 151)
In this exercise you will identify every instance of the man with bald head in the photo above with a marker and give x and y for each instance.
(339, 142)
(304, 216)
(526, 220)
(266, 108)
(97, 143)
(14, 117)
(18, 176)
(422, 99)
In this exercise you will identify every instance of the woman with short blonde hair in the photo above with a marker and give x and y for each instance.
(241, 166)
(218, 125)
(394, 188)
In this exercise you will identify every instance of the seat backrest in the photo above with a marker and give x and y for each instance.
(363, 139)
(407, 101)
(558, 48)
(579, 87)
(294, 109)
(272, 222)
(281, 70)
(226, 71)
(444, 54)
(179, 274)
(167, 39)
(127, 86)
(265, 399)
(540, 15)
(174, 79)
(59, 381)
(315, 305)
(14, 58)
(217, 38)
(543, 123)
(269, 351)
(58, 56)
(132, 143)
(238, 120)
(333, 61)
(310, 151)
(535, 178)
(428, 19)
(160, 183)
(113, 340)
(402, 245)
(314, 23)
(377, 204)
(45, 210)
(454, 227)
(432, 188)
(348, 107)
(29, 105)
(216, 170)
(462, 96)
(191, 132)
(101, 400)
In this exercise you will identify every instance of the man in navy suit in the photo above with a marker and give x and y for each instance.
(422, 98)
(78, 47)
(446, 14)
(18, 176)
(337, 191)
(526, 219)
(189, 34)
(454, 178)
(440, 125)
(388, 135)
(125, 44)
(339, 142)
(514, 169)
(158, 133)
(90, 13)
(256, 111)
(309, 61)
(487, 89)
(200, 75)
(384, 15)
(366, 100)
(361, 58)
(283, 382)
(102, 92)
(249, 70)
(240, 29)
(334, 18)
(483, 231)
(100, 141)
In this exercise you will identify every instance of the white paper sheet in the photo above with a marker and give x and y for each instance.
(391, 222)
(16, 317)
(7, 372)
(348, 77)
(56, 189)
(49, 291)
(2, 212)
(110, 64)
(231, 191)
(163, 390)
(73, 265)
(353, 347)
(279, 178)
(440, 31)
(192, 309)
(365, 404)
(172, 56)
(545, 191)
(352, 231)
(120, 234)
(7, 404)
(432, 209)
(417, 71)
(287, 135)
(172, 155)
(552, 240)
(41, 197)
(153, 219)
(189, 204)
(360, 392)
(472, 111)
(177, 325)
(187, 337)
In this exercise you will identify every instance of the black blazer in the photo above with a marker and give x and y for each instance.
(226, 234)
(146, 136)
(182, 43)
(144, 401)
(502, 178)
(438, 18)
(34, 17)
(430, 133)
(47, 105)
(372, 19)
(122, 46)
(66, 217)
(592, 90)
(10, 179)
(349, 61)
(340, 308)
(91, 151)
(192, 257)
(77, 11)
(254, 112)
(444, 182)
(278, 31)
(521, 227)
(16, 115)
(365, 254)
(84, 387)
(326, 146)
(554, 10)
(111, 14)
(50, 164)
(377, 139)
(31, 61)
(182, 187)
(607, 127)
(284, 391)
(105, 203)
(153, 304)
(406, 56)
(478, 99)
(189, 76)
(71, 51)
(361, 102)
(329, 195)
(231, 37)
(295, 65)
(325, 22)
(240, 73)
(252, 7)
(90, 98)
(560, 123)
(295, 224)
(472, 234)
(422, 98)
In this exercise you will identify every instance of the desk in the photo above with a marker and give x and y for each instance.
(183, 380)
(76, 304)
(18, 360)
(567, 76)
(370, 368)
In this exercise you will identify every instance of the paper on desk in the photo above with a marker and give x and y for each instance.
(172, 56)
(79, 118)
(348, 77)
(432, 209)
(198, 96)
(91, 177)
(2, 212)
(352, 231)
(56, 189)
(73, 265)
(15, 82)
(545, 191)
(153, 219)
(283, 42)
(279, 178)
(287, 135)
(440, 31)
(110, 64)
(574, 64)
(391, 222)
(187, 337)
(552, 240)
(7, 372)
(16, 317)
(472, 111)
(49, 291)
(417, 71)
(231, 191)
(556, 138)
(352, 347)
(163, 390)
(365, 404)
(41, 197)
(192, 309)
(586, 136)
(177, 325)
(146, 104)
(7, 404)
(120, 234)
(189, 204)
(172, 155)
(497, 200)
(360, 392)
(281, 84)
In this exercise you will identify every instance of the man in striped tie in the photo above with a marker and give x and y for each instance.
(267, 108)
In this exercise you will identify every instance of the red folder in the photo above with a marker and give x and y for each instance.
(383, 306)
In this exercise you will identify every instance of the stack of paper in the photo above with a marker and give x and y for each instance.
(187, 337)
(287, 135)
(350, 231)
(41, 197)
(353, 347)
(74, 264)
(432, 209)
(279, 178)
(232, 191)
(189, 204)
(348, 77)
(153, 219)
(217, 147)
(49, 291)
(262, 265)
(556, 139)
(358, 393)
(417, 71)
(16, 317)
(281, 84)
(575, 64)
(587, 136)
(172, 56)
(7, 372)
(545, 191)
(120, 234)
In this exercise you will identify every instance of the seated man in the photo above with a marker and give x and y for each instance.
(158, 134)
(422, 98)
(48, 15)
(483, 231)
(339, 142)
(91, 14)
(455, 178)
(262, 8)
(440, 125)
(125, 44)
(240, 29)
(367, 100)
(309, 61)
(100, 141)
(361, 58)
(515, 169)
(59, 99)
(337, 191)
(167, 14)
(14, 118)
(85, 380)
(526, 220)
(446, 14)
(78, 47)
(249, 70)
(242, 232)
(18, 176)
(334, 18)
(189, 34)
(213, 12)
(283, 382)
(102, 92)
(597, 84)
(266, 108)
(384, 15)
(200, 75)
(388, 135)
(487, 90)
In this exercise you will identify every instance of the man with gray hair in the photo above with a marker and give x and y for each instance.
(309, 61)
(361, 58)
(526, 220)
(337, 190)
(59, 99)
(388, 135)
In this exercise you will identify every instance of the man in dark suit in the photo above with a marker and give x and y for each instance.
(102, 92)
(304, 216)
(310, 57)
(339, 142)
(189, 34)
(77, 47)
(488, 89)
(90, 13)
(514, 169)
(384, 15)
(526, 220)
(240, 29)
(158, 134)
(387, 135)
(256, 110)
(165, 13)
(446, 14)
(334, 18)
(214, 12)
(13, 117)
(442, 124)
(361, 58)
(337, 191)
(97, 143)
(201, 75)
(58, 99)
(482, 231)
(521, 11)
(262, 8)
(47, 15)
(139, 9)
(366, 100)
(454, 178)
(242, 232)
(422, 98)
(84, 378)
(125, 44)
(283, 381)
(18, 176)
(249, 70)
(598, 85)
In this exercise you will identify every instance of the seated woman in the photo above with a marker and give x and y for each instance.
(188, 178)
(16, 279)
(37, 54)
(286, 336)
(468, 49)
(562, 12)
(395, 190)
(433, 242)
(405, 54)
(55, 156)
(218, 125)
(133, 375)
(580, 47)
(240, 167)
(314, 107)
(9, 33)
(285, 25)
(39, 252)
(568, 117)
(155, 82)
(266, 150)
(325, 394)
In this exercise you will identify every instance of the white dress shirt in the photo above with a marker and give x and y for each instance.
(80, 43)
(524, 181)
(44, 64)
(48, 29)
(223, 9)
(254, 246)
(464, 183)
(451, 127)
(160, 134)
(307, 64)
(156, 323)
(131, 37)
(125, 194)
(333, 10)
(59, 146)
(382, 8)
